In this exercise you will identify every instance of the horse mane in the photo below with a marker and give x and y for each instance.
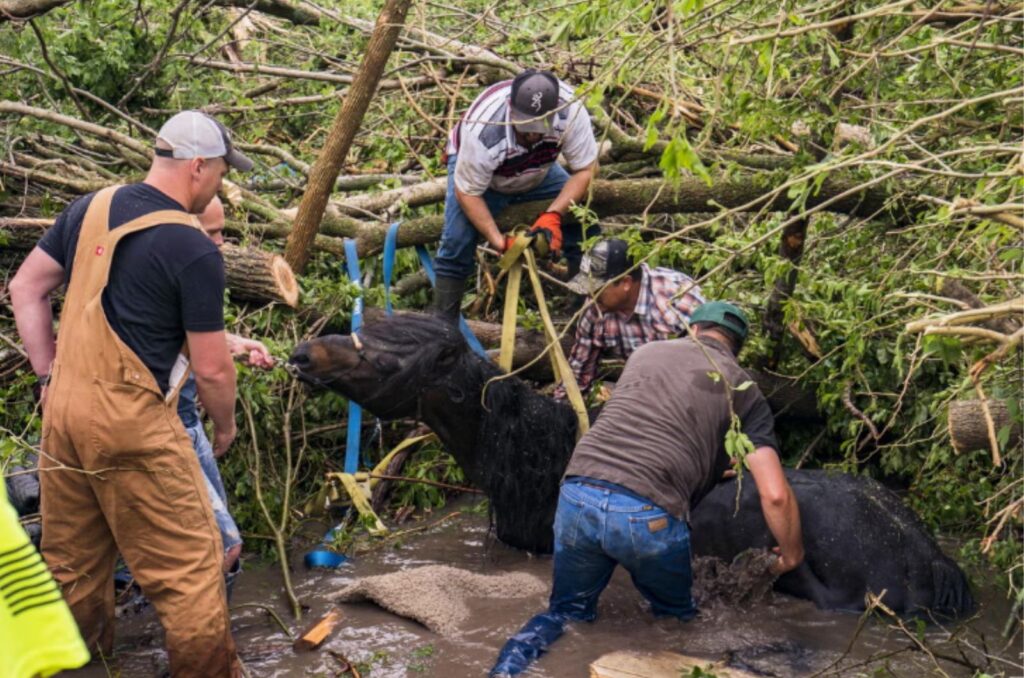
(527, 438)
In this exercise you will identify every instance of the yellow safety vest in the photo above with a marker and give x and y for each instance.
(39, 635)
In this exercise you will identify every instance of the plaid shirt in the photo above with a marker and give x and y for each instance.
(658, 315)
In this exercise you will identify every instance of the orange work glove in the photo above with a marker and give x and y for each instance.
(547, 233)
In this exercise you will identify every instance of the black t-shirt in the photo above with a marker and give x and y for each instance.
(164, 280)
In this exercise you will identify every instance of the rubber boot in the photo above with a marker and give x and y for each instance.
(448, 298)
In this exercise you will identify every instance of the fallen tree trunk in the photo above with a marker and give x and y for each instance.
(791, 247)
(343, 130)
(252, 274)
(968, 430)
(627, 196)
(22, 10)
(22, 233)
(255, 275)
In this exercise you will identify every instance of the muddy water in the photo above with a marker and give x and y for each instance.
(779, 636)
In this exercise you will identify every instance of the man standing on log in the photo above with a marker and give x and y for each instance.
(502, 152)
(657, 448)
(633, 305)
(145, 289)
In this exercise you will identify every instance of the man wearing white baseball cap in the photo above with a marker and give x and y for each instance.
(145, 289)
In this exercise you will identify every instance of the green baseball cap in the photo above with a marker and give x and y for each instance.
(722, 313)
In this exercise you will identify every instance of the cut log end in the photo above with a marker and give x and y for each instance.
(255, 275)
(968, 430)
(286, 281)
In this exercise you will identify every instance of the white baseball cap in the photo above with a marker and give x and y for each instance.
(191, 134)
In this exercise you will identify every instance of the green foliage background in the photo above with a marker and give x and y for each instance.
(940, 101)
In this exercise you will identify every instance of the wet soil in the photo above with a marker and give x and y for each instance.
(769, 633)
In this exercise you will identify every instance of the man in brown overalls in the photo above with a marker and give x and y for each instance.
(118, 472)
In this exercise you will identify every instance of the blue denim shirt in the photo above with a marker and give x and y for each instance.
(188, 410)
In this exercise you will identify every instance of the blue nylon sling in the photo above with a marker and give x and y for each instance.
(390, 248)
(322, 556)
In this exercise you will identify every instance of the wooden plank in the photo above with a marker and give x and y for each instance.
(315, 635)
(630, 664)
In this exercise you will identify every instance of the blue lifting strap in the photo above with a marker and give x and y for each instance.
(390, 247)
(355, 412)
(321, 556)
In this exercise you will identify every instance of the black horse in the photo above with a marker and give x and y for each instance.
(515, 445)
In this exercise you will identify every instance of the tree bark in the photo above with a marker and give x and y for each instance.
(791, 247)
(21, 10)
(623, 196)
(252, 274)
(968, 430)
(119, 139)
(255, 275)
(300, 16)
(22, 233)
(954, 289)
(281, 72)
(350, 116)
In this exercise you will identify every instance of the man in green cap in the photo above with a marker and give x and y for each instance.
(656, 449)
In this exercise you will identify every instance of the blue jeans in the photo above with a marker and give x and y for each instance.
(229, 533)
(456, 253)
(597, 528)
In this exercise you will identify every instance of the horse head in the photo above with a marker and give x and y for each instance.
(390, 366)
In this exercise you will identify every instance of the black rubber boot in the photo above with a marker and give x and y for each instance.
(448, 298)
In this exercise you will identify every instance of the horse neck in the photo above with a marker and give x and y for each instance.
(456, 416)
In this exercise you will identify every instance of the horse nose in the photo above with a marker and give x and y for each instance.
(300, 357)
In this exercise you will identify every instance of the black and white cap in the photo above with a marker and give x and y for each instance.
(534, 97)
(191, 134)
(607, 260)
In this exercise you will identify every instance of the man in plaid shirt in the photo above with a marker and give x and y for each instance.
(634, 306)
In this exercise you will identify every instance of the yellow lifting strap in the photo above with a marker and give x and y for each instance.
(512, 261)
(359, 486)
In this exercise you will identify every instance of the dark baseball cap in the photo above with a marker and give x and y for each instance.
(192, 134)
(607, 260)
(534, 96)
(724, 314)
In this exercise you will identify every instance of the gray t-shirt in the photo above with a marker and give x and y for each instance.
(662, 434)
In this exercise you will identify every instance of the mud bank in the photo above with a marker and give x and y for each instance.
(775, 635)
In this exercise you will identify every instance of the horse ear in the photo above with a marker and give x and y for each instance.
(449, 354)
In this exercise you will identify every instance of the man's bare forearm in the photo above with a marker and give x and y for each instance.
(215, 376)
(37, 277)
(783, 518)
(573, 190)
(217, 394)
(778, 504)
(34, 319)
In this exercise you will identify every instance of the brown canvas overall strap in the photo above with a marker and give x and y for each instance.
(94, 230)
(179, 372)
(93, 258)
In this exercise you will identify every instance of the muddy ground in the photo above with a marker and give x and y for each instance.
(778, 636)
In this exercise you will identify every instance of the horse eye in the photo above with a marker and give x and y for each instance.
(385, 362)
